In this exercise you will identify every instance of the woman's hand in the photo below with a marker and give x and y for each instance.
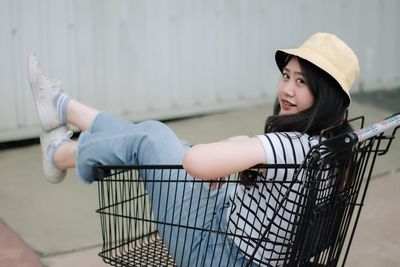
(217, 183)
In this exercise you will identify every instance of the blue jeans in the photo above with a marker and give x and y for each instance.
(113, 141)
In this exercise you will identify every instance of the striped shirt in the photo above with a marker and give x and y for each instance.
(252, 207)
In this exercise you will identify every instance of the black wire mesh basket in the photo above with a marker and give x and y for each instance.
(310, 219)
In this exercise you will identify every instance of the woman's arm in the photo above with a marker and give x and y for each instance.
(215, 160)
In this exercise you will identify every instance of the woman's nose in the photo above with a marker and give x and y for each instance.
(289, 88)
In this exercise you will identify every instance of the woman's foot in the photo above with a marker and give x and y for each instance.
(49, 142)
(44, 93)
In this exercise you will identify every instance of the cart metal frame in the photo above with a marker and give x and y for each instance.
(331, 185)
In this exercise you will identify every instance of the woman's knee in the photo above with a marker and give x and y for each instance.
(160, 139)
(157, 131)
(154, 126)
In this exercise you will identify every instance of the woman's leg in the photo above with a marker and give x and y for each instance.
(150, 143)
(55, 110)
(80, 115)
(109, 140)
(145, 143)
(89, 119)
(176, 198)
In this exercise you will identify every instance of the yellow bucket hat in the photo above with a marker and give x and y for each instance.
(330, 54)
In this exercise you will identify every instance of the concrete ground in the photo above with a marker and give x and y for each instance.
(56, 225)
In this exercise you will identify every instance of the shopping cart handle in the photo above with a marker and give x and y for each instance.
(345, 141)
(378, 128)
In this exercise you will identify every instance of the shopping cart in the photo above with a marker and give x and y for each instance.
(313, 222)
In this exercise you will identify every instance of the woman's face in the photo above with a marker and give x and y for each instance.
(294, 93)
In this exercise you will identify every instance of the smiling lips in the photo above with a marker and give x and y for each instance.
(286, 105)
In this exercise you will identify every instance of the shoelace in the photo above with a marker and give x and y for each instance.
(55, 84)
(66, 138)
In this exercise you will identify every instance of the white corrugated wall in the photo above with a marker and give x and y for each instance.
(169, 58)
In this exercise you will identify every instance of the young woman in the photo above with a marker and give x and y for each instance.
(313, 94)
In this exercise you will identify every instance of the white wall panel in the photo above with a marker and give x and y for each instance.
(8, 93)
(162, 59)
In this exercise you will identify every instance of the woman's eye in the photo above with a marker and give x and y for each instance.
(285, 76)
(301, 81)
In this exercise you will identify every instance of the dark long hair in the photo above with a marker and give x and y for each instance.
(328, 110)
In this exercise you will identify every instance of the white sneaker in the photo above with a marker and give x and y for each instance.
(50, 141)
(44, 90)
